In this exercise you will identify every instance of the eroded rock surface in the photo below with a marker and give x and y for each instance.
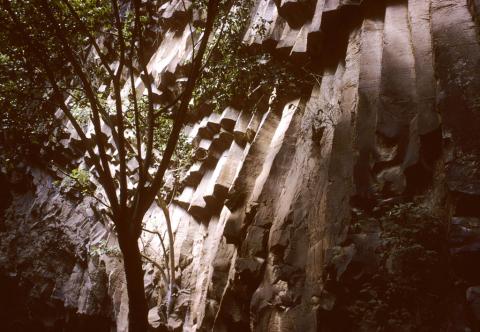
(352, 208)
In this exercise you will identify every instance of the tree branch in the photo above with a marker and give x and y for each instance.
(119, 110)
(103, 60)
(164, 208)
(91, 38)
(109, 185)
(150, 116)
(152, 191)
(158, 266)
(147, 82)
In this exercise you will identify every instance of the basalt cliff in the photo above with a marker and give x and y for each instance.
(355, 207)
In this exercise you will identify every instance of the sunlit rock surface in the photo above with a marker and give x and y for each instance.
(283, 223)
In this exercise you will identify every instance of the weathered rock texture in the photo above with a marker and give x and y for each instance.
(355, 208)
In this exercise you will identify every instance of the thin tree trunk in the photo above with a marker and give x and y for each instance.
(137, 303)
(171, 258)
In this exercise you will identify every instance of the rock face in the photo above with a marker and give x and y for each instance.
(355, 208)
(50, 280)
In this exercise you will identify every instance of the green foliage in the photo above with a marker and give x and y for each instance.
(183, 155)
(27, 43)
(82, 177)
(407, 291)
(78, 179)
(103, 249)
(233, 73)
(81, 113)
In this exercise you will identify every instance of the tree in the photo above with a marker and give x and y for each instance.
(73, 47)
(79, 56)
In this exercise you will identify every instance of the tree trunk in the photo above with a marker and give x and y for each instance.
(137, 303)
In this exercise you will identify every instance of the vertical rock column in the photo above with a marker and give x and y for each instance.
(368, 103)
(457, 68)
